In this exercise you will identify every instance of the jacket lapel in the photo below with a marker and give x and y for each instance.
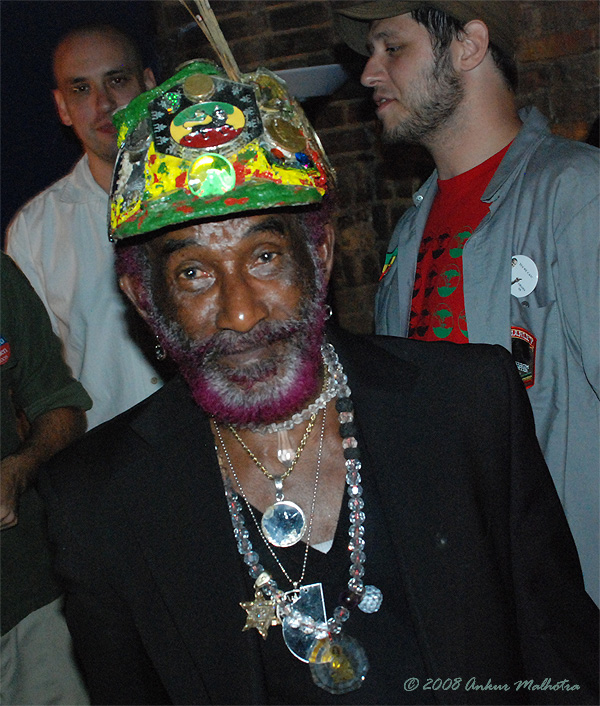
(179, 521)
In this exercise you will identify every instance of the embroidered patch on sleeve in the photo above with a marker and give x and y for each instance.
(4, 350)
(524, 346)
(390, 258)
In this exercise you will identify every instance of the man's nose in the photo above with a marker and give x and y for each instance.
(241, 306)
(373, 72)
(105, 99)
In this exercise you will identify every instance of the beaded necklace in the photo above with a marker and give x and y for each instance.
(338, 663)
(327, 394)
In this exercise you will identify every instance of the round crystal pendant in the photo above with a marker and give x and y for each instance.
(283, 524)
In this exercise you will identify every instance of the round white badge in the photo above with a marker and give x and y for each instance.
(523, 276)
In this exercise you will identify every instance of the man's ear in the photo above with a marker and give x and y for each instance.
(149, 79)
(61, 106)
(132, 288)
(325, 250)
(472, 46)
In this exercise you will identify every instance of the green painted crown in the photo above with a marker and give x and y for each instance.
(202, 145)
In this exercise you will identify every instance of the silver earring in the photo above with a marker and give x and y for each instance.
(328, 312)
(159, 351)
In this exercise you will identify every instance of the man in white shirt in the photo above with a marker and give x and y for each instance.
(59, 239)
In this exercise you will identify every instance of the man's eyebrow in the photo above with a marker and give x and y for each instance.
(173, 245)
(120, 70)
(383, 34)
(273, 224)
(109, 74)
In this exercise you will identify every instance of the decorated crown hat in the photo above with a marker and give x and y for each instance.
(207, 143)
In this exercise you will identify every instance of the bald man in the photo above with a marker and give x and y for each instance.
(59, 239)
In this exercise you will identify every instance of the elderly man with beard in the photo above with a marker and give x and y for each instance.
(501, 245)
(302, 516)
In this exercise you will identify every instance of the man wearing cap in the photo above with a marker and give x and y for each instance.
(259, 531)
(501, 245)
(59, 238)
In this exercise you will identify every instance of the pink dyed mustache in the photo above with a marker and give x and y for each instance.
(231, 342)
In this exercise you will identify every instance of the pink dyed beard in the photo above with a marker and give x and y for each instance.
(256, 394)
(261, 397)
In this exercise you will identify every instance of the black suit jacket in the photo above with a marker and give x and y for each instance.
(153, 579)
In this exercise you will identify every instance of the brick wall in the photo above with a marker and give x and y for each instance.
(558, 61)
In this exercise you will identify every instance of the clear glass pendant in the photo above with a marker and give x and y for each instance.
(284, 522)
(285, 452)
(309, 604)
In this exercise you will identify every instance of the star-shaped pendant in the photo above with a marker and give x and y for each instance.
(261, 615)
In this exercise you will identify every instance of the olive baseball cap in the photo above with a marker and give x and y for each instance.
(353, 22)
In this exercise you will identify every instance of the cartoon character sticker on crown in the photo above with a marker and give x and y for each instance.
(207, 143)
(209, 115)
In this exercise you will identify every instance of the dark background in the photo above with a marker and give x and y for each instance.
(36, 149)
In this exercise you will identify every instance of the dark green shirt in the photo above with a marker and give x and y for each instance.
(35, 379)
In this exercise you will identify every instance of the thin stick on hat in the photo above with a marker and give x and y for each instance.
(206, 20)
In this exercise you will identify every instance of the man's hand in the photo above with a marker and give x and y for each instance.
(9, 491)
(50, 432)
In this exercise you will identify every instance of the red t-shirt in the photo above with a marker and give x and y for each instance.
(438, 303)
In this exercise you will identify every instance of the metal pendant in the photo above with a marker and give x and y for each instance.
(310, 603)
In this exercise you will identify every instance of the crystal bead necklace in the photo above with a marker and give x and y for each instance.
(338, 663)
(329, 359)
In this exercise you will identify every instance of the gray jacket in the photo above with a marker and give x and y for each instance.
(544, 205)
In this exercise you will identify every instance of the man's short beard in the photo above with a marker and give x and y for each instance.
(261, 392)
(444, 93)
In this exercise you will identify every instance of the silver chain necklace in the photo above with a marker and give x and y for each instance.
(259, 527)
(283, 523)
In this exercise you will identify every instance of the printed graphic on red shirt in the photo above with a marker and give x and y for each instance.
(438, 303)
(438, 309)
